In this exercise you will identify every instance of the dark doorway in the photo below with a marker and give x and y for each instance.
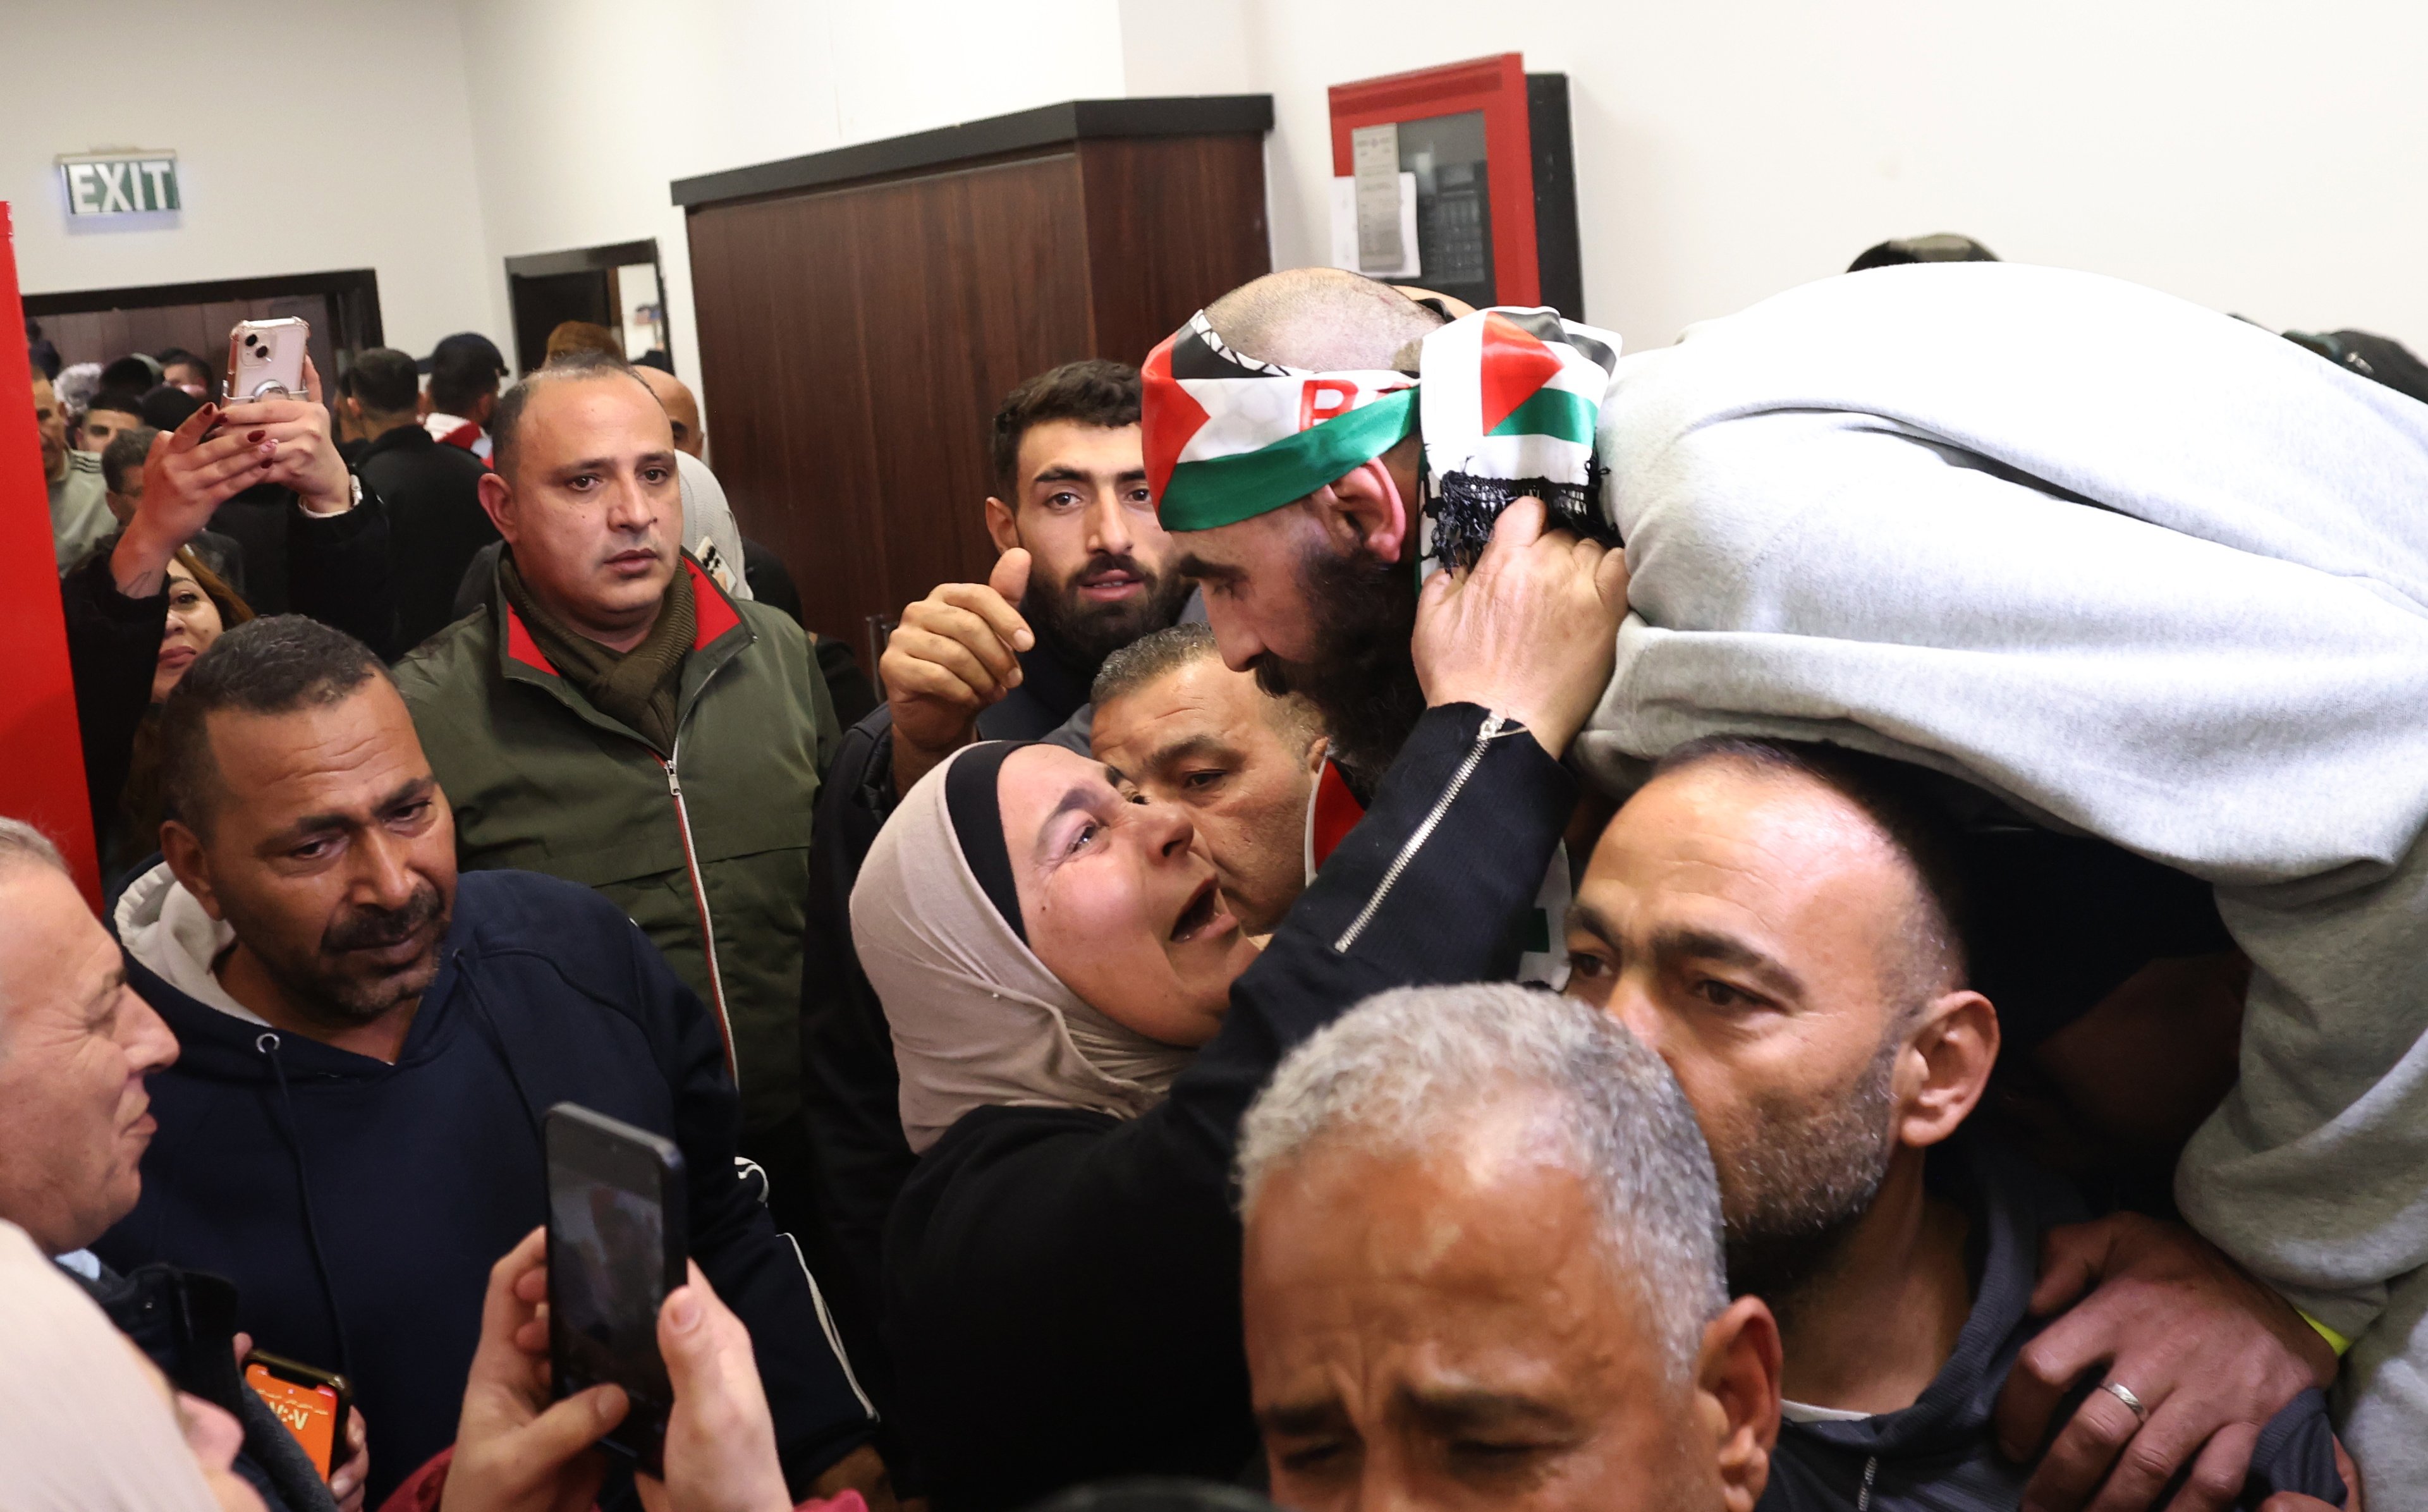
(103, 324)
(616, 287)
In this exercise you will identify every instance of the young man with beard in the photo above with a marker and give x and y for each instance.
(1315, 591)
(351, 1133)
(1089, 569)
(1778, 921)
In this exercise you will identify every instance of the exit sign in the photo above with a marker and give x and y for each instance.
(121, 183)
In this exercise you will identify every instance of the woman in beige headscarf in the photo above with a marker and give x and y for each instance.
(1079, 1024)
(87, 1425)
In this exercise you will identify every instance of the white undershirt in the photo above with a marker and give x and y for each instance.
(1802, 1412)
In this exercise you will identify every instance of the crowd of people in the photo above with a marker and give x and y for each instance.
(1826, 916)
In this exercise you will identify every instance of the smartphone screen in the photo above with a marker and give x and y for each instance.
(310, 1402)
(616, 1247)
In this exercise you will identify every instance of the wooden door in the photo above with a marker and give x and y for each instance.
(854, 345)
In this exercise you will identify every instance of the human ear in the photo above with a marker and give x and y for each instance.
(498, 498)
(1003, 524)
(1315, 752)
(482, 408)
(1368, 505)
(1736, 1396)
(183, 850)
(1956, 1044)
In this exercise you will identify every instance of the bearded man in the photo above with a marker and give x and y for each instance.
(1779, 923)
(352, 1134)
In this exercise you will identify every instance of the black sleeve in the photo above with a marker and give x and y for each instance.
(756, 1271)
(338, 571)
(1092, 1265)
(855, 695)
(113, 649)
(850, 1102)
(2296, 1452)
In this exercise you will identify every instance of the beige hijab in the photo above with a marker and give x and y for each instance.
(81, 1427)
(977, 1020)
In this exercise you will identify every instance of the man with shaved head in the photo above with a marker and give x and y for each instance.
(682, 410)
(1909, 511)
(616, 717)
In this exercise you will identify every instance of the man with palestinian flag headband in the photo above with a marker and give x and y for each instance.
(2131, 577)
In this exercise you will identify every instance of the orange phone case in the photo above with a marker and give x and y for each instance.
(310, 1413)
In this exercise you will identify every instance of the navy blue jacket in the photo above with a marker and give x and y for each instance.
(1941, 1453)
(358, 1206)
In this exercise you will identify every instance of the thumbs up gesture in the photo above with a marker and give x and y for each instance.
(955, 652)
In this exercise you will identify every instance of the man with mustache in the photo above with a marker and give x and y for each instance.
(351, 1133)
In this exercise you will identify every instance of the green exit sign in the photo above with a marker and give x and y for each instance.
(121, 183)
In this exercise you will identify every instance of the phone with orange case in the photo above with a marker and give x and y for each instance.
(312, 1403)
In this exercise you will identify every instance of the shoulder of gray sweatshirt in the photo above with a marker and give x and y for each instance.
(2143, 570)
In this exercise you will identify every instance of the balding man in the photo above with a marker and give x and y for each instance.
(682, 410)
(616, 717)
(1482, 1268)
(710, 530)
(77, 1047)
(1778, 922)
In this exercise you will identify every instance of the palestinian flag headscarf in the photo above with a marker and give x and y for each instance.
(1507, 402)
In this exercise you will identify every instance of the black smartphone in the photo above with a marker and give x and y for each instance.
(616, 1245)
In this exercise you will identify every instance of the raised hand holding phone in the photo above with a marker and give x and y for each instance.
(617, 1248)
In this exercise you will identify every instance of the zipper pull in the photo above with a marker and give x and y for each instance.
(674, 783)
(1493, 721)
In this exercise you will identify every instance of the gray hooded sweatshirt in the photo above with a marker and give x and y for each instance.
(2147, 572)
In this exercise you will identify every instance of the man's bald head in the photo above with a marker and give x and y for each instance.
(682, 410)
(1323, 319)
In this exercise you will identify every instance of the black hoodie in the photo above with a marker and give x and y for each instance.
(1942, 1452)
(358, 1206)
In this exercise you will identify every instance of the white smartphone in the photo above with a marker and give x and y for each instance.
(266, 358)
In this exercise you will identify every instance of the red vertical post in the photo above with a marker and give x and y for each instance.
(42, 762)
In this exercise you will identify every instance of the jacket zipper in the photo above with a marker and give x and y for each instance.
(1484, 736)
(700, 896)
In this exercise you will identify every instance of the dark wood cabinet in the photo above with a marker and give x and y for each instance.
(862, 312)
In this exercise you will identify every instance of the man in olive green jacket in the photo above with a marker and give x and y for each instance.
(614, 718)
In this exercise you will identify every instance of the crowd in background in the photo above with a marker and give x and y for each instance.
(1199, 1021)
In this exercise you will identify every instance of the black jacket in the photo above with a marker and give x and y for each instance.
(1063, 1287)
(850, 1091)
(436, 524)
(341, 574)
(185, 1323)
(358, 1206)
(284, 574)
(1942, 1452)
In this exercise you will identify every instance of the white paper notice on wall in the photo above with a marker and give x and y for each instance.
(1344, 229)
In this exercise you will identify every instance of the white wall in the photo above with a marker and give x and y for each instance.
(2264, 159)
(585, 110)
(361, 158)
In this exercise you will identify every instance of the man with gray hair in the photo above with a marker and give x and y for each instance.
(77, 1047)
(1483, 1266)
